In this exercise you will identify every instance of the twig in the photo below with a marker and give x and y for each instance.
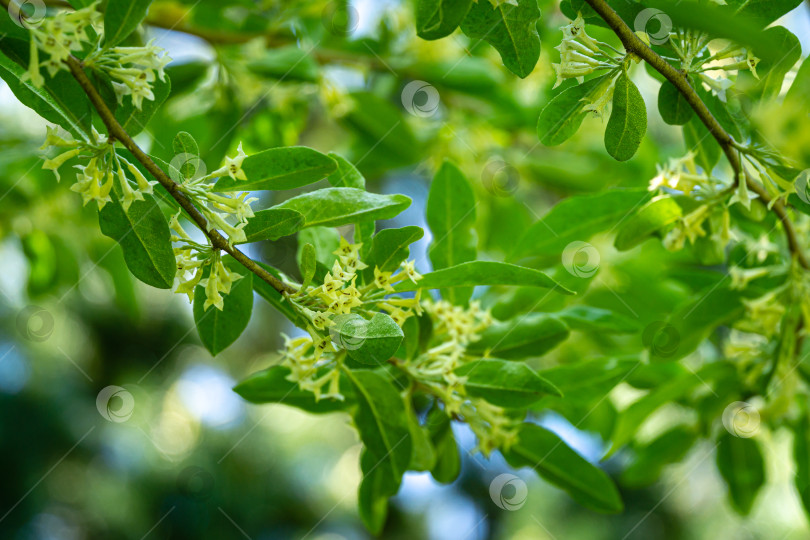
(633, 44)
(118, 133)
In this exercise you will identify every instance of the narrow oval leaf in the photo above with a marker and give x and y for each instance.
(272, 224)
(589, 318)
(377, 486)
(273, 297)
(628, 120)
(674, 108)
(143, 233)
(450, 215)
(436, 19)
(121, 18)
(370, 342)
(741, 465)
(474, 273)
(699, 140)
(801, 455)
(219, 328)
(510, 28)
(272, 386)
(290, 63)
(333, 207)
(505, 384)
(308, 264)
(563, 115)
(557, 463)
(380, 419)
(448, 456)
(652, 217)
(280, 168)
(522, 337)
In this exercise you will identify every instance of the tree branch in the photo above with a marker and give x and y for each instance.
(633, 44)
(118, 133)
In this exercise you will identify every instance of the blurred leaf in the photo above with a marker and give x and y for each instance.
(289, 63)
(742, 467)
(520, 338)
(593, 319)
(650, 459)
(448, 457)
(562, 116)
(557, 463)
(450, 215)
(135, 120)
(652, 217)
(672, 105)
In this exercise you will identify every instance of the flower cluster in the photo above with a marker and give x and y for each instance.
(95, 180)
(58, 37)
(132, 70)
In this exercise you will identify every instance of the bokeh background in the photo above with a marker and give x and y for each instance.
(172, 452)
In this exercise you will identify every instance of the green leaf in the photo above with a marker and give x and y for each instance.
(763, 12)
(652, 217)
(333, 207)
(439, 18)
(563, 115)
(280, 168)
(578, 218)
(134, 120)
(308, 264)
(219, 328)
(390, 247)
(801, 456)
(121, 18)
(289, 63)
(511, 29)
(326, 241)
(143, 233)
(557, 463)
(384, 139)
(370, 342)
(474, 273)
(42, 102)
(505, 384)
(521, 337)
(272, 224)
(772, 72)
(651, 459)
(423, 457)
(381, 421)
(346, 174)
(628, 120)
(584, 379)
(698, 139)
(672, 105)
(448, 456)
(376, 487)
(741, 465)
(450, 215)
(273, 297)
(272, 386)
(184, 143)
(593, 319)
